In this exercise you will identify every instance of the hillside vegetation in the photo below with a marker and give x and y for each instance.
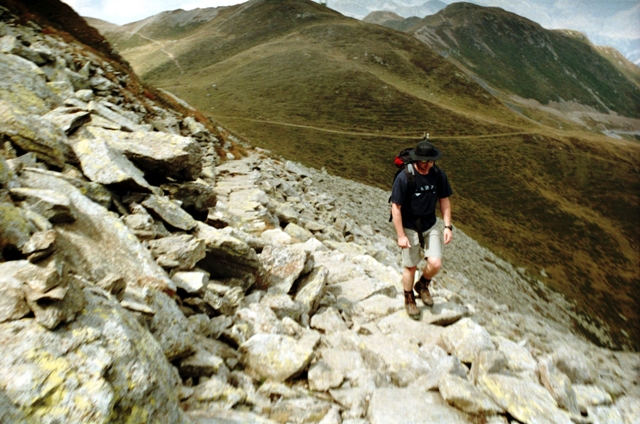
(311, 85)
(519, 56)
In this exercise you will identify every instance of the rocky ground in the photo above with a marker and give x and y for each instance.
(145, 279)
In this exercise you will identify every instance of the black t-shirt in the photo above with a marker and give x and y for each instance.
(422, 203)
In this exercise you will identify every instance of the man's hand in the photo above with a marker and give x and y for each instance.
(448, 235)
(403, 242)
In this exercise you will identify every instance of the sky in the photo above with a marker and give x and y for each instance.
(124, 11)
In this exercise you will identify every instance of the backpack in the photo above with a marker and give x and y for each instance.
(404, 163)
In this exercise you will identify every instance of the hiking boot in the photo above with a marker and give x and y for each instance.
(422, 287)
(410, 305)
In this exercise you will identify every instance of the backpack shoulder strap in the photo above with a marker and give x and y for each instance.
(411, 177)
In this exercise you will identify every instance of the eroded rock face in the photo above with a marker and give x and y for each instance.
(140, 277)
(100, 365)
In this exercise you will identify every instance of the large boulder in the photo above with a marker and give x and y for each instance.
(100, 366)
(275, 357)
(226, 255)
(98, 244)
(33, 134)
(524, 400)
(156, 153)
(103, 164)
(23, 84)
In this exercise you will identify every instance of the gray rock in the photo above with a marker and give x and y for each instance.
(322, 377)
(102, 164)
(284, 306)
(328, 321)
(170, 212)
(300, 410)
(196, 196)
(195, 128)
(181, 252)
(52, 205)
(575, 365)
(406, 406)
(605, 414)
(33, 134)
(276, 237)
(275, 357)
(6, 174)
(114, 284)
(96, 244)
(488, 362)
(217, 416)
(142, 225)
(159, 154)
(360, 288)
(629, 406)
(68, 119)
(24, 85)
(252, 320)
(444, 313)
(40, 277)
(13, 304)
(201, 364)
(297, 232)
(282, 266)
(223, 299)
(216, 394)
(398, 358)
(105, 112)
(312, 289)
(463, 395)
(193, 282)
(354, 400)
(558, 385)
(589, 396)
(525, 401)
(465, 338)
(169, 326)
(519, 360)
(40, 245)
(441, 365)
(15, 228)
(58, 305)
(103, 363)
(227, 256)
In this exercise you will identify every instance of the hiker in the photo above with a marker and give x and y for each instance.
(413, 212)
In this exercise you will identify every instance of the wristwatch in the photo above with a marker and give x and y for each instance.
(449, 227)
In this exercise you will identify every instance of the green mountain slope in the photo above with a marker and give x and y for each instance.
(329, 91)
(514, 54)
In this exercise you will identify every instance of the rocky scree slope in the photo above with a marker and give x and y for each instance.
(142, 280)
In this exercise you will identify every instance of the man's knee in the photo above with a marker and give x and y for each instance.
(435, 263)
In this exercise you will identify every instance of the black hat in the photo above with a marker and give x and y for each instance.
(425, 151)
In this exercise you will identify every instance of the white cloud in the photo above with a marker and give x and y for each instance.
(124, 11)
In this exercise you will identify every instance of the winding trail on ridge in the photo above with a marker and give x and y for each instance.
(170, 55)
(368, 134)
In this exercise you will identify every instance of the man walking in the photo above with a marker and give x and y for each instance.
(413, 211)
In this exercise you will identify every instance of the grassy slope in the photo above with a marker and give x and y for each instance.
(564, 202)
(519, 56)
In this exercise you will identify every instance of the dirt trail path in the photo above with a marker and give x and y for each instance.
(162, 49)
(369, 134)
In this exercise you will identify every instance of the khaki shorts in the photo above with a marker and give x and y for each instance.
(432, 246)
